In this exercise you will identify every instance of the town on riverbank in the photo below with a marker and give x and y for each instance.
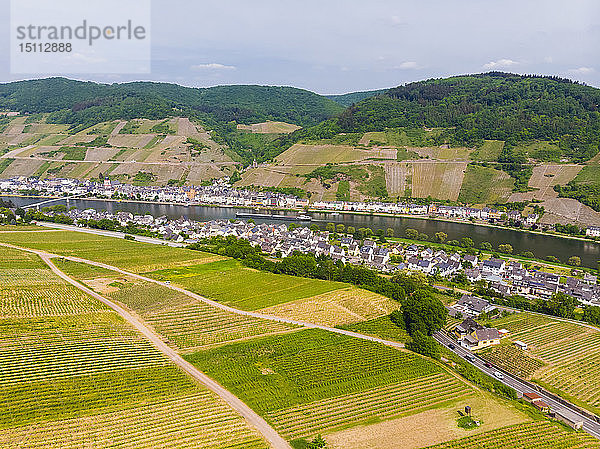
(504, 277)
(221, 193)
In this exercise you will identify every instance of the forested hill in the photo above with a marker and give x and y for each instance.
(88, 103)
(494, 105)
(354, 97)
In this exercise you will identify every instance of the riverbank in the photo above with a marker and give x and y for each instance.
(540, 244)
(450, 220)
(320, 211)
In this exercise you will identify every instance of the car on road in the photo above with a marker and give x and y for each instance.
(498, 375)
(470, 357)
(451, 346)
(488, 364)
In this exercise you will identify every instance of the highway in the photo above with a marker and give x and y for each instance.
(590, 426)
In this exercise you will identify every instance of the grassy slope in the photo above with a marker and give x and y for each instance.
(483, 185)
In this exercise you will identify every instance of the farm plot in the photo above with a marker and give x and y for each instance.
(489, 151)
(22, 167)
(301, 154)
(205, 172)
(128, 255)
(381, 327)
(344, 306)
(278, 373)
(50, 348)
(396, 174)
(535, 435)
(442, 153)
(187, 323)
(544, 178)
(230, 283)
(512, 359)
(569, 211)
(386, 402)
(100, 154)
(91, 377)
(569, 352)
(440, 180)
(197, 420)
(269, 128)
(262, 176)
(484, 185)
(130, 140)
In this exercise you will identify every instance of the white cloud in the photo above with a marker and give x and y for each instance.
(582, 71)
(408, 65)
(212, 66)
(500, 64)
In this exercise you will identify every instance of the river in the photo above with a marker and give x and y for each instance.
(540, 245)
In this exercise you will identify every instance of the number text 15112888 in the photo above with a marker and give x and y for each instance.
(45, 47)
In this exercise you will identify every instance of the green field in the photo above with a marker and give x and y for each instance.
(402, 137)
(536, 435)
(229, 282)
(188, 323)
(128, 255)
(489, 151)
(312, 381)
(381, 327)
(484, 185)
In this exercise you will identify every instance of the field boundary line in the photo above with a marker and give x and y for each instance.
(46, 256)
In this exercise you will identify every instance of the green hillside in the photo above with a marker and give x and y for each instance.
(354, 97)
(494, 106)
(77, 102)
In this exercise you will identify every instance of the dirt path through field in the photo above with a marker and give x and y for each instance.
(275, 440)
(118, 128)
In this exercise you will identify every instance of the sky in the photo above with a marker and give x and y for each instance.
(335, 46)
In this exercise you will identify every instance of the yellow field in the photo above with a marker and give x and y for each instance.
(544, 178)
(440, 180)
(428, 427)
(269, 128)
(301, 154)
(350, 305)
(381, 403)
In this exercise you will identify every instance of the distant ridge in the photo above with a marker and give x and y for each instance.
(354, 97)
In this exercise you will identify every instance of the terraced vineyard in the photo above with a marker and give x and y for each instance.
(569, 351)
(536, 435)
(379, 403)
(73, 372)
